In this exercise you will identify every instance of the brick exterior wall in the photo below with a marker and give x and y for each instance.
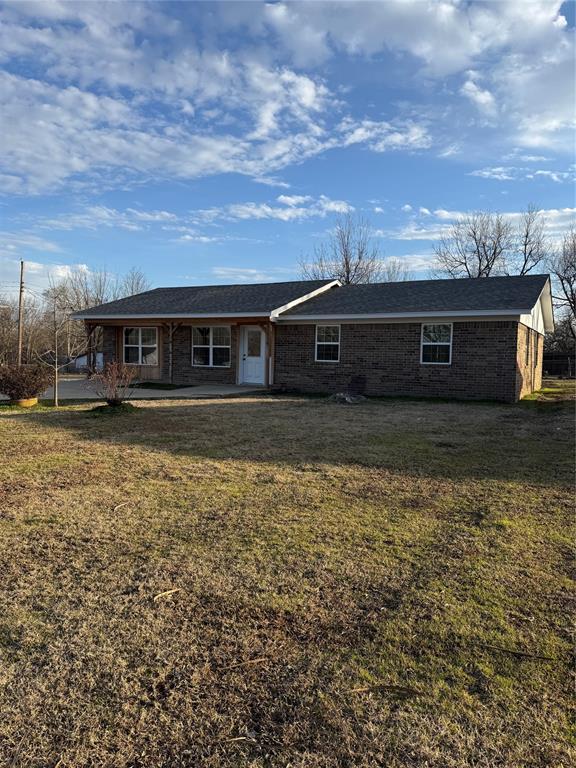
(529, 354)
(488, 361)
(384, 359)
(184, 371)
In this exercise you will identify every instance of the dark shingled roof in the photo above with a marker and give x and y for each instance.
(481, 294)
(207, 299)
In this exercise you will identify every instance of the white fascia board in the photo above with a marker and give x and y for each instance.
(177, 316)
(541, 316)
(547, 307)
(306, 297)
(400, 316)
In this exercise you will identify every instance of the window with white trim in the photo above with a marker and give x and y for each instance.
(327, 343)
(211, 346)
(436, 344)
(141, 346)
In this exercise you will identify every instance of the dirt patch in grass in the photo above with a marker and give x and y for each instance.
(284, 581)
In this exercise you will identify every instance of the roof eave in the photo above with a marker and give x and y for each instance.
(402, 315)
(166, 316)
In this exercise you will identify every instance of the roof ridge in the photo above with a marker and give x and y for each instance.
(241, 285)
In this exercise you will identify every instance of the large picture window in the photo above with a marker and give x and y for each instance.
(211, 346)
(436, 344)
(327, 343)
(141, 346)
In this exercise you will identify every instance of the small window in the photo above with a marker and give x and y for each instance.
(141, 346)
(528, 336)
(535, 350)
(211, 346)
(327, 343)
(436, 344)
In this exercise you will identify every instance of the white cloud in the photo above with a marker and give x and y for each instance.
(293, 200)
(407, 208)
(513, 173)
(98, 216)
(481, 97)
(21, 243)
(498, 173)
(115, 98)
(288, 208)
(271, 181)
(249, 275)
(557, 176)
(383, 136)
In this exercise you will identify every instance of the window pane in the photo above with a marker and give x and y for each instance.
(149, 336)
(254, 343)
(327, 352)
(201, 356)
(328, 333)
(131, 336)
(131, 355)
(436, 353)
(221, 336)
(436, 333)
(201, 336)
(149, 356)
(221, 356)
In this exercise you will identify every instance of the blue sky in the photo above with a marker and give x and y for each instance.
(217, 142)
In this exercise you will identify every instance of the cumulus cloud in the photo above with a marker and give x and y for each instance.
(93, 100)
(481, 97)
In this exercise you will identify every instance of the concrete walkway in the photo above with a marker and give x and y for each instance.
(78, 388)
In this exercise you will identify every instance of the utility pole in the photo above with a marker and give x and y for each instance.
(20, 313)
(55, 355)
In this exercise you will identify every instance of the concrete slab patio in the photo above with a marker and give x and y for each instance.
(79, 388)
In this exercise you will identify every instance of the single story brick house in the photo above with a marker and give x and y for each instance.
(469, 338)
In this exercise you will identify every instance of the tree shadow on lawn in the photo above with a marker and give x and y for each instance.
(529, 443)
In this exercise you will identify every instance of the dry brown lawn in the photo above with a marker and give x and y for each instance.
(286, 582)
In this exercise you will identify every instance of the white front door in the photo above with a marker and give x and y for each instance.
(252, 355)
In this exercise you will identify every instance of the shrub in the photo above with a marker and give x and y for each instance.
(113, 383)
(20, 383)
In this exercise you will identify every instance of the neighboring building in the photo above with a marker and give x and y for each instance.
(478, 338)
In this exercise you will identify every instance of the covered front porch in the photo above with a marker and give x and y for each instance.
(209, 351)
(77, 387)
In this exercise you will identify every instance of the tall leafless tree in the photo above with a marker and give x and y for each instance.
(395, 270)
(474, 246)
(562, 265)
(349, 255)
(483, 244)
(530, 245)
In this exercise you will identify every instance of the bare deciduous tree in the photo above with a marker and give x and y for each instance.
(78, 290)
(134, 281)
(475, 246)
(483, 244)
(350, 255)
(394, 270)
(562, 265)
(530, 245)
